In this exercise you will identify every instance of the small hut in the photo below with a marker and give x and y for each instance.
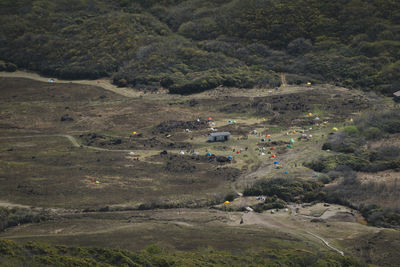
(219, 136)
(396, 96)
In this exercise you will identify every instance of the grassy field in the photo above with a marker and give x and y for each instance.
(54, 163)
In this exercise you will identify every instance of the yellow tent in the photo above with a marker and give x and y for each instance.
(335, 129)
(226, 202)
(134, 133)
(310, 114)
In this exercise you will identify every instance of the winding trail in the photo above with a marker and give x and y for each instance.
(104, 82)
(72, 139)
(253, 218)
(326, 243)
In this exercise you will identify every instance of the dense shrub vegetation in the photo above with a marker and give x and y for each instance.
(279, 191)
(40, 254)
(351, 192)
(16, 216)
(192, 45)
(350, 142)
(354, 154)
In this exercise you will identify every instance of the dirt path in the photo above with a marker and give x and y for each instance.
(106, 84)
(252, 218)
(12, 205)
(72, 139)
(74, 142)
(283, 80)
(103, 82)
(326, 243)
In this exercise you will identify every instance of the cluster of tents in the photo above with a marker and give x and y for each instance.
(274, 156)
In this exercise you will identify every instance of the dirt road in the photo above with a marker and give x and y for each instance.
(103, 82)
(72, 139)
(106, 84)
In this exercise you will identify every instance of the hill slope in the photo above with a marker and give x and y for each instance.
(196, 45)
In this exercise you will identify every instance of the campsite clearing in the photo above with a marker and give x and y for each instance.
(109, 162)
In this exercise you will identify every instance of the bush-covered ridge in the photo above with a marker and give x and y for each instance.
(351, 153)
(40, 254)
(195, 45)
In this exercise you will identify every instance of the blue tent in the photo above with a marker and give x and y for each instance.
(208, 154)
(276, 162)
(286, 172)
(230, 157)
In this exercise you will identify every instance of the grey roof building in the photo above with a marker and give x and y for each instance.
(396, 96)
(219, 136)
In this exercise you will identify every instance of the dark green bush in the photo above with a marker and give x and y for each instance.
(351, 130)
(332, 162)
(372, 133)
(387, 122)
(377, 216)
(15, 216)
(344, 142)
(230, 196)
(10, 67)
(283, 188)
(276, 204)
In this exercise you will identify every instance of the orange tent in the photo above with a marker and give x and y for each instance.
(210, 119)
(273, 156)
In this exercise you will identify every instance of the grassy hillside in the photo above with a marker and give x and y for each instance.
(39, 254)
(195, 45)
